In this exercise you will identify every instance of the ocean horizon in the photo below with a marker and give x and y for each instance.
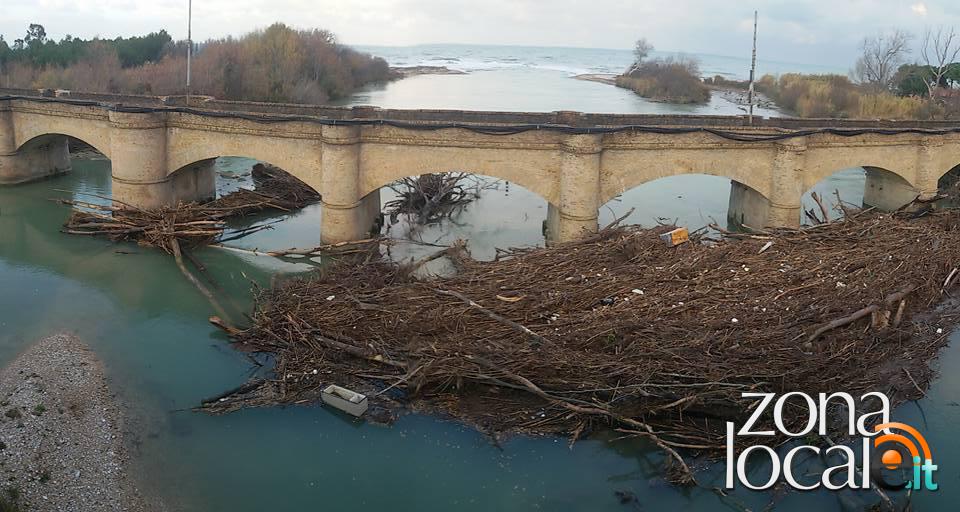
(470, 58)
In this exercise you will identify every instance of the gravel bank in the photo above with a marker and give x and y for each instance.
(61, 442)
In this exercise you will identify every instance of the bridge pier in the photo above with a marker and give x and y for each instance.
(930, 166)
(748, 207)
(197, 182)
(138, 157)
(576, 215)
(346, 215)
(39, 159)
(886, 191)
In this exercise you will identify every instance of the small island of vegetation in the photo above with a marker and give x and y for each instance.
(667, 79)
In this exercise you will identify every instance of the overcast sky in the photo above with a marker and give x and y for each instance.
(804, 31)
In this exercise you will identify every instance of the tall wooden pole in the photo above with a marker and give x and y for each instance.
(189, 44)
(753, 69)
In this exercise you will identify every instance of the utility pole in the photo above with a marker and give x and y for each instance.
(753, 70)
(189, 44)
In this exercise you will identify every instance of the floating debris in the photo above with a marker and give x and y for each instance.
(648, 368)
(344, 399)
(190, 224)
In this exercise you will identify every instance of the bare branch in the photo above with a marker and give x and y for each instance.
(881, 55)
(940, 49)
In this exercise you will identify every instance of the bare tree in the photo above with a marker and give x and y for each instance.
(881, 56)
(641, 50)
(939, 51)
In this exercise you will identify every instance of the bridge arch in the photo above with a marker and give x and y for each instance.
(867, 185)
(952, 174)
(669, 199)
(949, 182)
(622, 171)
(198, 181)
(820, 164)
(297, 157)
(45, 138)
(94, 135)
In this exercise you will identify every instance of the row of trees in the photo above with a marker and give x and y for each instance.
(36, 49)
(274, 64)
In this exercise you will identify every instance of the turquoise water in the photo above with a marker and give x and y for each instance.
(150, 327)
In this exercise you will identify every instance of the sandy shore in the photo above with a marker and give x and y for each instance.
(598, 77)
(61, 437)
(409, 71)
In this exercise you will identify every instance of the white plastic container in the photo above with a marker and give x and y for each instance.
(344, 399)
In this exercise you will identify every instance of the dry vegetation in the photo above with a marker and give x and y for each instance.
(670, 80)
(275, 64)
(837, 96)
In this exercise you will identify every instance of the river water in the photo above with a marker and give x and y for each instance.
(150, 327)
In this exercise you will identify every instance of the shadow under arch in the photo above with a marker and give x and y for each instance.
(43, 156)
(214, 177)
(692, 200)
(72, 142)
(300, 164)
(949, 182)
(93, 138)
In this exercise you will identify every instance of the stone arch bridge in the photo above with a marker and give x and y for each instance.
(162, 149)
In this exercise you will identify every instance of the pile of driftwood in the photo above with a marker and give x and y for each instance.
(620, 331)
(179, 228)
(190, 224)
(431, 198)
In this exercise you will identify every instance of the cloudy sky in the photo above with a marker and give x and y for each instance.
(804, 31)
